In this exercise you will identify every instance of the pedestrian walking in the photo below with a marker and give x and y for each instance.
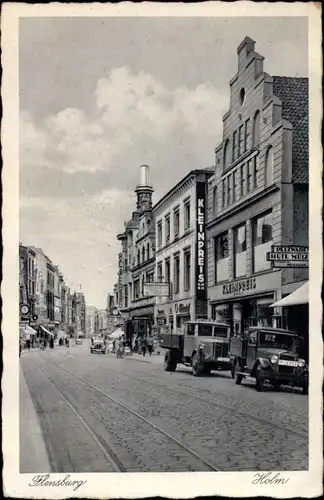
(45, 343)
(150, 345)
(32, 342)
(28, 344)
(144, 346)
(52, 342)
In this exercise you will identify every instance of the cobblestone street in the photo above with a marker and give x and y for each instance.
(98, 413)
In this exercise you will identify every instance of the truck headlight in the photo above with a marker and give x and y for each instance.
(274, 359)
(301, 363)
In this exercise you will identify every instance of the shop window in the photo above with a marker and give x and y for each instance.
(234, 146)
(159, 233)
(215, 200)
(176, 221)
(262, 241)
(167, 228)
(187, 215)
(247, 135)
(167, 271)
(159, 272)
(187, 270)
(221, 257)
(148, 251)
(226, 154)
(138, 257)
(241, 140)
(176, 271)
(143, 254)
(224, 193)
(269, 167)
(240, 254)
(256, 130)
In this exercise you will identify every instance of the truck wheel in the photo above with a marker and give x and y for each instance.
(207, 370)
(276, 385)
(259, 385)
(197, 366)
(237, 376)
(170, 362)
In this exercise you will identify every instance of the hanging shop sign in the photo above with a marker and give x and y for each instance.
(160, 312)
(239, 287)
(182, 308)
(201, 286)
(285, 256)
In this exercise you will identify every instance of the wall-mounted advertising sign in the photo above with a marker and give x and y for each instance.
(201, 286)
(156, 289)
(285, 256)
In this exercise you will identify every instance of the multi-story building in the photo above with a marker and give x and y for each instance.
(258, 196)
(91, 313)
(180, 257)
(80, 313)
(102, 321)
(58, 277)
(137, 261)
(27, 283)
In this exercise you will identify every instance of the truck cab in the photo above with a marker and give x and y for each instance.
(268, 354)
(204, 345)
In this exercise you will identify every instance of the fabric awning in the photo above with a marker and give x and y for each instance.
(46, 331)
(298, 297)
(117, 333)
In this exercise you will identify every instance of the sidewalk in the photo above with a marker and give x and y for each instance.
(32, 451)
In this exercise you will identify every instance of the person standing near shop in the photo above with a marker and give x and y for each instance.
(28, 344)
(150, 345)
(144, 347)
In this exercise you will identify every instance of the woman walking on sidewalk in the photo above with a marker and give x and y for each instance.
(144, 345)
(150, 345)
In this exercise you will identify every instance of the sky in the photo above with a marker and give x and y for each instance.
(101, 96)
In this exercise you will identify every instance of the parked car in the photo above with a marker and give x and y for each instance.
(268, 354)
(78, 341)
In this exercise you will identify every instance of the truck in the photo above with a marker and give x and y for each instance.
(269, 354)
(203, 345)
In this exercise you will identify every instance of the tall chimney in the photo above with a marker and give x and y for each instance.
(144, 175)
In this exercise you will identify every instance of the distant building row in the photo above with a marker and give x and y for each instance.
(209, 236)
(45, 298)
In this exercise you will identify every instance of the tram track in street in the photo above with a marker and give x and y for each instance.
(105, 448)
(211, 402)
(110, 456)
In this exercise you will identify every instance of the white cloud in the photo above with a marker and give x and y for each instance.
(129, 108)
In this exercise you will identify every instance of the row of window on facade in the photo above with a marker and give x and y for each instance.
(241, 142)
(260, 239)
(176, 223)
(243, 180)
(164, 275)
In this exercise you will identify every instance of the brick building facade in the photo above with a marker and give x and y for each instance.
(258, 196)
